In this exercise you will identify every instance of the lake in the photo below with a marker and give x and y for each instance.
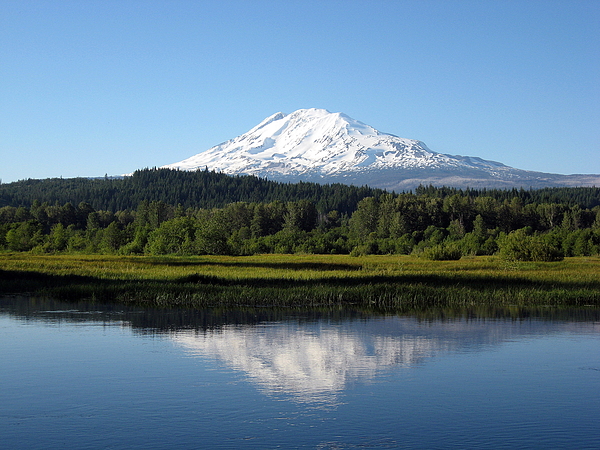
(90, 376)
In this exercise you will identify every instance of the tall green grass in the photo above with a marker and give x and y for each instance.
(398, 283)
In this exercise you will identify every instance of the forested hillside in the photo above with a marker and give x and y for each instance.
(201, 189)
(171, 212)
(205, 189)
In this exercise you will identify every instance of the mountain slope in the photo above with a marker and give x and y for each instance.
(316, 145)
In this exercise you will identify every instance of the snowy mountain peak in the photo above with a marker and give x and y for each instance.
(318, 145)
(311, 141)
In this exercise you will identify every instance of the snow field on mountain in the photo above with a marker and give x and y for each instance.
(317, 141)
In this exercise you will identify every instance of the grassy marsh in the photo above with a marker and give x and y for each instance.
(400, 283)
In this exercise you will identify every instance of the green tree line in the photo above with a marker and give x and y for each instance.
(434, 226)
(198, 189)
(208, 189)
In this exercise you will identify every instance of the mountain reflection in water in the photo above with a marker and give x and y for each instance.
(310, 366)
(315, 362)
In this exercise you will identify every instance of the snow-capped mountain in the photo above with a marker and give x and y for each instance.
(317, 145)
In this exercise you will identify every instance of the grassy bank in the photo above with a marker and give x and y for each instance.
(401, 283)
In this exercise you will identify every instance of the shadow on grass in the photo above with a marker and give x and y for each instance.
(34, 282)
(281, 266)
(432, 280)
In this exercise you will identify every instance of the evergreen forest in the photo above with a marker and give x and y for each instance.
(160, 211)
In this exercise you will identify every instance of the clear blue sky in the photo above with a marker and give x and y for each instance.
(89, 88)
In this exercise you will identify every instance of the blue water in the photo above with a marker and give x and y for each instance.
(92, 377)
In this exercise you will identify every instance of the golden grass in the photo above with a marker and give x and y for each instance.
(260, 280)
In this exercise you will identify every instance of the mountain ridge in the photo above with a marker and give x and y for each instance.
(319, 146)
